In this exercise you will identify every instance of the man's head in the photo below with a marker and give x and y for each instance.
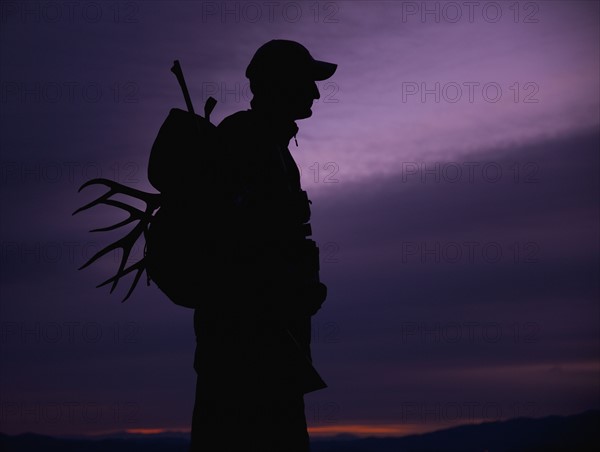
(282, 78)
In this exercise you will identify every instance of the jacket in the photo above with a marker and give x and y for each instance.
(258, 324)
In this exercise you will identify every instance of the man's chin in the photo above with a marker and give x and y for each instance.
(304, 114)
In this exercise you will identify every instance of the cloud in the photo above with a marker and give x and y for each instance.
(409, 308)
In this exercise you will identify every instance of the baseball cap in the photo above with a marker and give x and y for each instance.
(280, 57)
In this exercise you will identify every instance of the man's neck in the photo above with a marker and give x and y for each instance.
(282, 128)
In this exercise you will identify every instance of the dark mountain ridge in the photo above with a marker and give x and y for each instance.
(576, 433)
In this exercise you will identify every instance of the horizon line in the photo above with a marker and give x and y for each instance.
(357, 430)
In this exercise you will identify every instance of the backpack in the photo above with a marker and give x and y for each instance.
(185, 144)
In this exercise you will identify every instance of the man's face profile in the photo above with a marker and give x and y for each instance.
(293, 97)
(301, 95)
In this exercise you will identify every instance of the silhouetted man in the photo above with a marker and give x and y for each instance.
(253, 338)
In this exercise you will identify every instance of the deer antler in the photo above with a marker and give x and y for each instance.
(152, 201)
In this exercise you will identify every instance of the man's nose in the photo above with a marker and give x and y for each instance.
(315, 91)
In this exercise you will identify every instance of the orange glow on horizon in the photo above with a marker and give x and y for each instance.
(359, 430)
(155, 431)
(363, 430)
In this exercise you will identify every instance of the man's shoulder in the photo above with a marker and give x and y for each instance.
(241, 133)
(237, 122)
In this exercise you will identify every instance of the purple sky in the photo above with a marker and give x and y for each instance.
(459, 234)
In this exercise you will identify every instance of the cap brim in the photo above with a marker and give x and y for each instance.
(322, 70)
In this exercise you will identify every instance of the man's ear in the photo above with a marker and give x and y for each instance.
(257, 87)
(268, 89)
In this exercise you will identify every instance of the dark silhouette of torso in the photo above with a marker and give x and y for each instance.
(253, 335)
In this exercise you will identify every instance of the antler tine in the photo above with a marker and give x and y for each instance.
(138, 275)
(134, 214)
(117, 187)
(96, 181)
(137, 266)
(97, 201)
(133, 211)
(126, 243)
(102, 252)
(130, 241)
(115, 226)
(152, 200)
